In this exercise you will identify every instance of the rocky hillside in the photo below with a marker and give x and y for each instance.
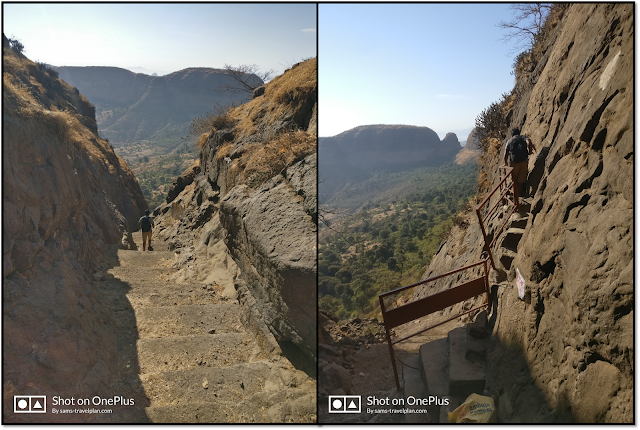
(471, 151)
(133, 106)
(67, 198)
(356, 154)
(565, 353)
(245, 216)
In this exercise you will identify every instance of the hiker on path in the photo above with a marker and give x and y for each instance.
(517, 153)
(145, 224)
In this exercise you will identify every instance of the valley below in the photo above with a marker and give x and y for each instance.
(147, 119)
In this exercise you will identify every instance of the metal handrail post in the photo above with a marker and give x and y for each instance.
(484, 233)
(486, 281)
(516, 192)
(391, 353)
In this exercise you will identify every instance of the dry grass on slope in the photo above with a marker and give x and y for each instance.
(282, 96)
(269, 150)
(54, 104)
(272, 158)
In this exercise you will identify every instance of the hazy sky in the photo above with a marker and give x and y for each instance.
(164, 38)
(433, 65)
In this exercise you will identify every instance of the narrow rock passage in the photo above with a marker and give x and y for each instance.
(184, 355)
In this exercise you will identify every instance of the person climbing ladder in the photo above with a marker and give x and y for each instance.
(517, 152)
(145, 224)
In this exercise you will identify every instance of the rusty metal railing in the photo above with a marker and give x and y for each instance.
(422, 307)
(506, 190)
(506, 184)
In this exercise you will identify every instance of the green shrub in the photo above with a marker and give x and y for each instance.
(16, 46)
(48, 69)
(492, 122)
(210, 122)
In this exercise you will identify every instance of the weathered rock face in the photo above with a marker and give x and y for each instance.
(263, 221)
(134, 106)
(67, 196)
(451, 138)
(565, 353)
(270, 241)
(471, 151)
(355, 154)
(473, 141)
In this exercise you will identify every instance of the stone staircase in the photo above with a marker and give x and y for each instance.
(508, 249)
(455, 367)
(185, 357)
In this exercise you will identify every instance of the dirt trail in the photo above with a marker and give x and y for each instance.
(372, 374)
(184, 355)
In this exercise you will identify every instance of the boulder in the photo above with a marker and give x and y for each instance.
(335, 379)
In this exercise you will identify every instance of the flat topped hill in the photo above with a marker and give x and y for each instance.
(354, 155)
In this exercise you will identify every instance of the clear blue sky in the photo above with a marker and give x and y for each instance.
(164, 38)
(433, 65)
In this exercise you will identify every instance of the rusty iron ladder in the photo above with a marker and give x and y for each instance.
(503, 187)
(422, 307)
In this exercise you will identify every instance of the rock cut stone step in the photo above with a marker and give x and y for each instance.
(435, 362)
(134, 274)
(204, 413)
(184, 352)
(414, 386)
(465, 376)
(154, 295)
(512, 239)
(434, 357)
(263, 407)
(206, 384)
(506, 258)
(188, 320)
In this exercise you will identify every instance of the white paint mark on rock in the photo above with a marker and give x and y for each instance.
(608, 72)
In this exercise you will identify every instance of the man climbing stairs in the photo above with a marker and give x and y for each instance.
(184, 355)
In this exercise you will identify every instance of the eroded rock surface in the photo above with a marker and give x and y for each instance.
(241, 220)
(67, 198)
(565, 353)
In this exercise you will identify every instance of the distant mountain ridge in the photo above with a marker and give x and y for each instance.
(356, 154)
(153, 72)
(134, 106)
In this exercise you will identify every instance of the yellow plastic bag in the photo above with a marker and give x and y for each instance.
(476, 409)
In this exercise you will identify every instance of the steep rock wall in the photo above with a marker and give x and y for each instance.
(565, 353)
(237, 221)
(67, 197)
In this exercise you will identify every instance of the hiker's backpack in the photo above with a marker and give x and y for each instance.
(518, 151)
(145, 223)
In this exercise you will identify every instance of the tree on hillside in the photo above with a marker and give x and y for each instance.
(16, 45)
(526, 24)
(246, 77)
(492, 122)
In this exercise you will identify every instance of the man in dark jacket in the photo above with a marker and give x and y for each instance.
(145, 224)
(517, 156)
